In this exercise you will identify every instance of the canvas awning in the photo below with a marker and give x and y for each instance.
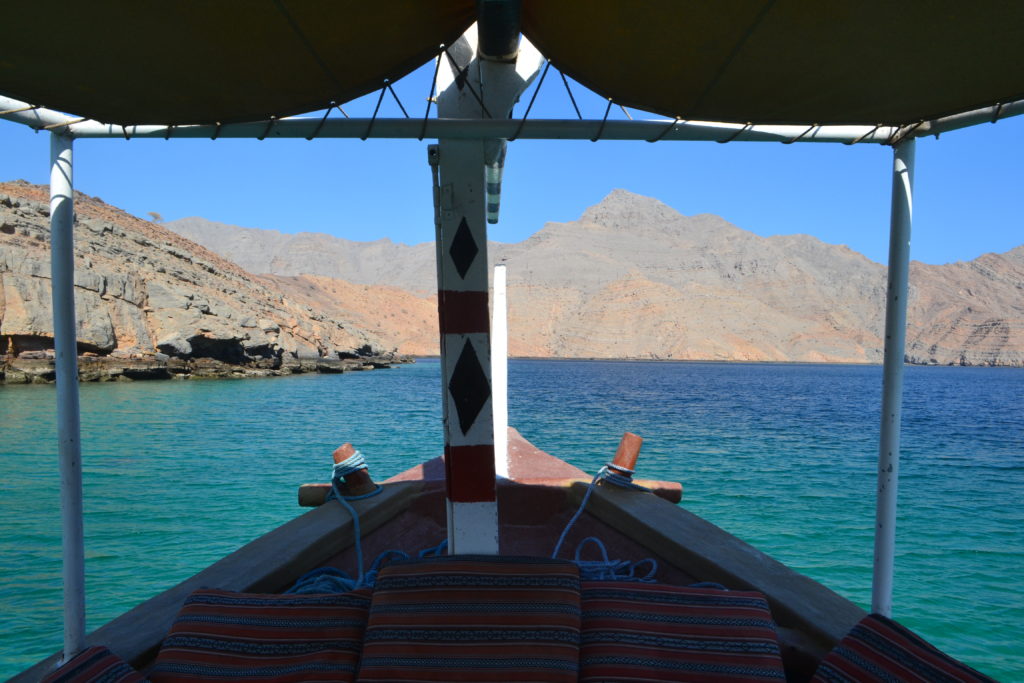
(758, 61)
(196, 61)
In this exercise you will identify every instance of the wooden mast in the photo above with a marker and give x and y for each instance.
(470, 86)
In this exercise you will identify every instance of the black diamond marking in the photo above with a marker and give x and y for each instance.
(463, 250)
(469, 387)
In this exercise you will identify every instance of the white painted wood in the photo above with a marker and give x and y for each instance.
(892, 377)
(473, 528)
(499, 371)
(482, 430)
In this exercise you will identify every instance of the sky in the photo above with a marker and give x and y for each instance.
(968, 197)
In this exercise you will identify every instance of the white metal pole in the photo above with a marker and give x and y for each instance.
(499, 372)
(65, 341)
(892, 376)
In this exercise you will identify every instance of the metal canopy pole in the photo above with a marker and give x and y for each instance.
(65, 340)
(892, 376)
(310, 127)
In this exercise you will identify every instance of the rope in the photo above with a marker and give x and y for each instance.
(666, 130)
(612, 570)
(351, 464)
(430, 97)
(337, 580)
(572, 99)
(373, 119)
(522, 121)
(606, 569)
(603, 121)
(334, 580)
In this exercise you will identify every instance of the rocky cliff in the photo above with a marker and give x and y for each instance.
(633, 278)
(151, 303)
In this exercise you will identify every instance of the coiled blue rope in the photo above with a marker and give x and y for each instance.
(334, 580)
(606, 569)
(331, 579)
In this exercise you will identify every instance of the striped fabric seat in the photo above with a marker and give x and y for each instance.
(220, 635)
(474, 618)
(94, 664)
(878, 649)
(652, 632)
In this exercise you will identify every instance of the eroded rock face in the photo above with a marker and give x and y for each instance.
(142, 291)
(633, 278)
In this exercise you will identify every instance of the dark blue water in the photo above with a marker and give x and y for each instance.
(177, 474)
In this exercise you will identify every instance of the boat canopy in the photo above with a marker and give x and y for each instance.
(865, 62)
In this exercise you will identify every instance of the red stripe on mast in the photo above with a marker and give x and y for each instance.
(469, 473)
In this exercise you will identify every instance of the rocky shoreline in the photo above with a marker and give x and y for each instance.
(38, 367)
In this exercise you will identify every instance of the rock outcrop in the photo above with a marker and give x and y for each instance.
(150, 303)
(633, 278)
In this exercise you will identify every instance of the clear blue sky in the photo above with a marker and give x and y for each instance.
(968, 187)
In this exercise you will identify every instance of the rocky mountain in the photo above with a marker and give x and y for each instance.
(633, 278)
(382, 262)
(155, 303)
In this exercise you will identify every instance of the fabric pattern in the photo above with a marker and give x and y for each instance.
(94, 665)
(220, 635)
(474, 618)
(879, 649)
(653, 632)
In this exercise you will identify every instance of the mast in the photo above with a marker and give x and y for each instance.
(472, 85)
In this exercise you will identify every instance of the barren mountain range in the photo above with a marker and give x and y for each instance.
(633, 278)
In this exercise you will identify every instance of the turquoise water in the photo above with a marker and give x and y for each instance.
(177, 474)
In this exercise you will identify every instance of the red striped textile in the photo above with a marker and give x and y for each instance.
(96, 663)
(652, 632)
(474, 618)
(879, 649)
(220, 635)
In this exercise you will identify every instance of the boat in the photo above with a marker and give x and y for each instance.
(783, 71)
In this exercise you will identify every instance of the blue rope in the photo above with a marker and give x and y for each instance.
(337, 580)
(579, 513)
(354, 462)
(612, 570)
(606, 569)
(323, 580)
(333, 580)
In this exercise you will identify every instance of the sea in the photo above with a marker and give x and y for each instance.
(179, 473)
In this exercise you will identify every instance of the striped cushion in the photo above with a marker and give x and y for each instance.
(879, 649)
(220, 635)
(652, 632)
(474, 618)
(94, 664)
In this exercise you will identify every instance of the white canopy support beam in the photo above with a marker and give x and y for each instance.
(892, 376)
(477, 127)
(65, 338)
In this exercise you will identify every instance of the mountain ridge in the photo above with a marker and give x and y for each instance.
(633, 278)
